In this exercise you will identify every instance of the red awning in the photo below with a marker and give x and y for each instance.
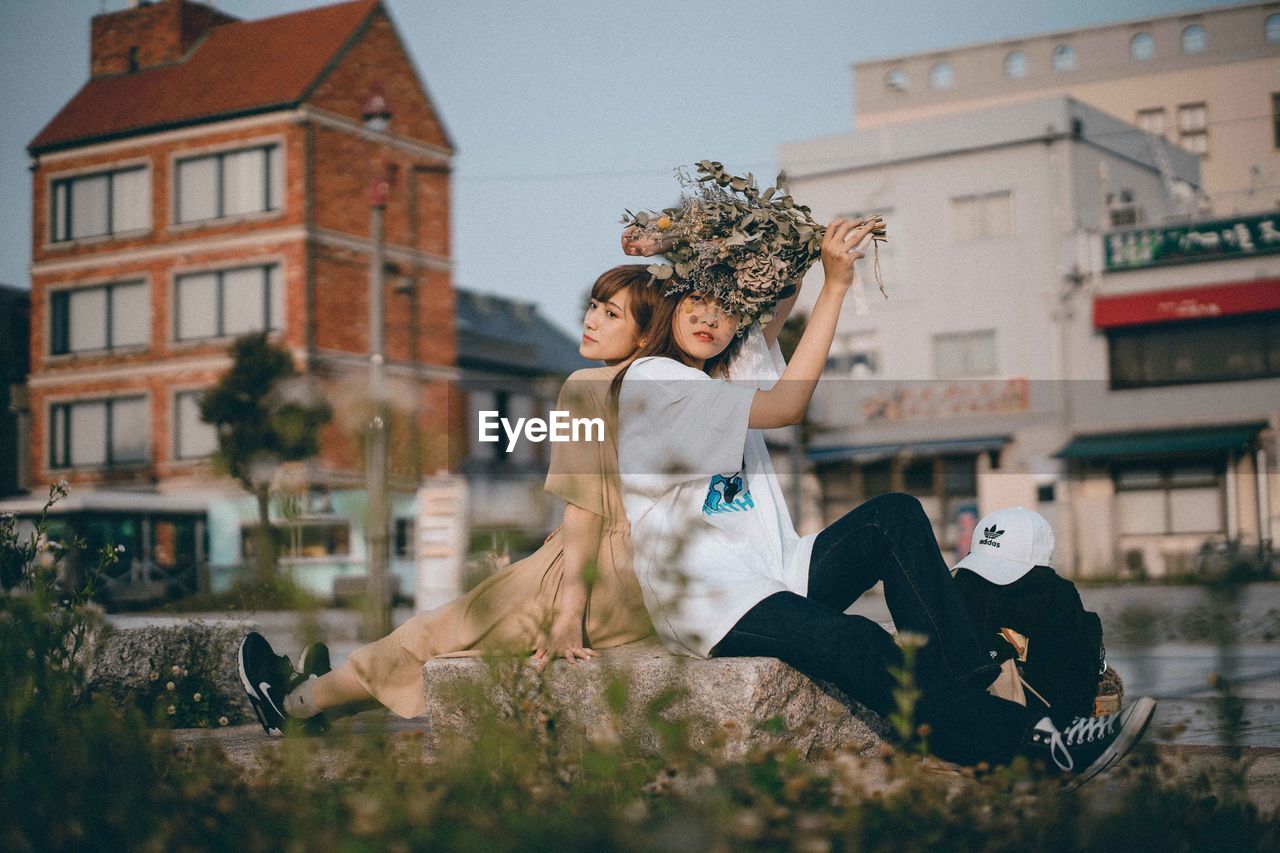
(1190, 303)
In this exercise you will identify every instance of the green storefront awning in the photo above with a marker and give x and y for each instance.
(1166, 442)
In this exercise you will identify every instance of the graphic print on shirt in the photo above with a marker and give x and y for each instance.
(728, 494)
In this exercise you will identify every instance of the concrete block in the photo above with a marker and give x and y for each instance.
(122, 659)
(736, 704)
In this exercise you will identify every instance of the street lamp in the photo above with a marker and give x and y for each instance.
(377, 117)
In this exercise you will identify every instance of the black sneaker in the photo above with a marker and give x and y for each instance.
(1089, 745)
(267, 678)
(313, 663)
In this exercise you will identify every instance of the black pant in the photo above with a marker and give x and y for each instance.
(889, 539)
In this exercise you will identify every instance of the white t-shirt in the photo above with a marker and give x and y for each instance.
(711, 530)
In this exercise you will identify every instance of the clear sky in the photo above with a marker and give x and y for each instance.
(566, 112)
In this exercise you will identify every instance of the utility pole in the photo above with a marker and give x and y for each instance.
(377, 117)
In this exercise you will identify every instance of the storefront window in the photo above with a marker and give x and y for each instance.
(1220, 350)
(1171, 498)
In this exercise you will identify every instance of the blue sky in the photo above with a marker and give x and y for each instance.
(566, 112)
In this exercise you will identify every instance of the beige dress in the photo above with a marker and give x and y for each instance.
(505, 613)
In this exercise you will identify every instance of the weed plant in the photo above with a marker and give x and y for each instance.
(80, 773)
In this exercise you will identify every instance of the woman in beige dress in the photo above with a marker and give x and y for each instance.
(575, 594)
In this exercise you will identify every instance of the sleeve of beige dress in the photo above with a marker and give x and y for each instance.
(574, 473)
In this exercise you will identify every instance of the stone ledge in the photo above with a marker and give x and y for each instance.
(121, 659)
(749, 702)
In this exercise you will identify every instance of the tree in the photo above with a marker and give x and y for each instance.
(264, 417)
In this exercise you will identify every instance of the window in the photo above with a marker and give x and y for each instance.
(1015, 65)
(856, 355)
(403, 539)
(1123, 211)
(1193, 39)
(1164, 498)
(228, 302)
(1142, 47)
(977, 216)
(941, 76)
(959, 355)
(306, 538)
(192, 437)
(105, 317)
(230, 183)
(1193, 128)
(1275, 117)
(1152, 120)
(100, 204)
(1272, 29)
(896, 80)
(98, 433)
(1064, 58)
(1220, 350)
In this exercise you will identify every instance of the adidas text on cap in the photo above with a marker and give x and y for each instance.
(1007, 543)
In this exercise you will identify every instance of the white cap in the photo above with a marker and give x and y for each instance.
(1007, 543)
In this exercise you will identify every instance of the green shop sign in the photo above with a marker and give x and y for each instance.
(1240, 237)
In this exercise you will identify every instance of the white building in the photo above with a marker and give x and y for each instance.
(952, 389)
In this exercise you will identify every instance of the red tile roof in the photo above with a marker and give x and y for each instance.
(238, 68)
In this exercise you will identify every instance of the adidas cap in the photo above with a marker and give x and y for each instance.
(1007, 543)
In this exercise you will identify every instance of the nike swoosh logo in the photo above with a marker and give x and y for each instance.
(265, 689)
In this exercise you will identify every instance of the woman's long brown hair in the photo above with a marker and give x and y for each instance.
(659, 340)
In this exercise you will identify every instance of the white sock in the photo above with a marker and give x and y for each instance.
(299, 704)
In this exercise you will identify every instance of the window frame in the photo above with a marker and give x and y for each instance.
(62, 295)
(981, 200)
(1271, 29)
(1275, 117)
(60, 457)
(1064, 59)
(1168, 483)
(1198, 131)
(968, 336)
(1270, 332)
(1204, 40)
(1149, 44)
(1021, 65)
(56, 180)
(219, 155)
(176, 447)
(220, 273)
(1140, 119)
(341, 532)
(942, 76)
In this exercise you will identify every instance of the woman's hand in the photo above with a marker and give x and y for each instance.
(565, 640)
(636, 241)
(840, 248)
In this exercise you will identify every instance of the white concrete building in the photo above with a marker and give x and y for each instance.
(952, 389)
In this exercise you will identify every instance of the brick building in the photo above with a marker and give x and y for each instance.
(210, 179)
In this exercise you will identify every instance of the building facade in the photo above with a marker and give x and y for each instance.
(213, 178)
(1207, 81)
(972, 385)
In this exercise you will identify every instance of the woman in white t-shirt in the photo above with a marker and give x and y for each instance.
(721, 568)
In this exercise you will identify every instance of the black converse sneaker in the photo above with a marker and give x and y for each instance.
(1089, 745)
(267, 678)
